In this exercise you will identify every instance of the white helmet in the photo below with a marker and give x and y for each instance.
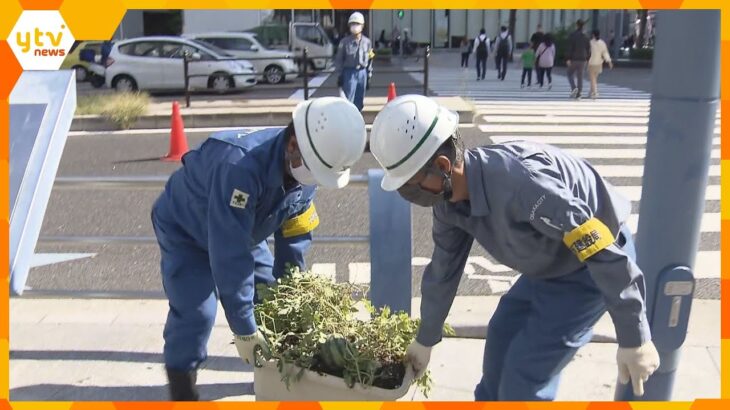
(356, 17)
(406, 134)
(331, 136)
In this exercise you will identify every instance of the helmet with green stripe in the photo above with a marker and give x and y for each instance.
(331, 136)
(406, 134)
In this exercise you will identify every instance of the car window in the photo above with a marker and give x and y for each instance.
(171, 50)
(127, 49)
(241, 44)
(310, 34)
(211, 47)
(228, 43)
(214, 41)
(141, 49)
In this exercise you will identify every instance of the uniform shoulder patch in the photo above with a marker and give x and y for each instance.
(239, 199)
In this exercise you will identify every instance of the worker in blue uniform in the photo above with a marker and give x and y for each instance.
(353, 61)
(538, 210)
(217, 211)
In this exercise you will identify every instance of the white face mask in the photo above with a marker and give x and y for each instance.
(356, 29)
(302, 174)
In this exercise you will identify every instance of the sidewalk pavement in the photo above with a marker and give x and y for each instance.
(94, 349)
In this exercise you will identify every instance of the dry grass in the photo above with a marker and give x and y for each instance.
(121, 108)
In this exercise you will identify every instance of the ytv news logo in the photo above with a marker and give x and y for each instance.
(40, 40)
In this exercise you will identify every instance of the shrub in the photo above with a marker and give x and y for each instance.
(123, 108)
(311, 323)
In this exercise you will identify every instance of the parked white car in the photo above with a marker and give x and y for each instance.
(156, 63)
(272, 66)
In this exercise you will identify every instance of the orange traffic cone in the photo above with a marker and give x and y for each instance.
(178, 141)
(391, 91)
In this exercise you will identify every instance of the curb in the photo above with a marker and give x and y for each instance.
(273, 117)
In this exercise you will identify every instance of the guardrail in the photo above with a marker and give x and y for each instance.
(304, 63)
(389, 236)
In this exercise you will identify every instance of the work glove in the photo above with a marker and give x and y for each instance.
(637, 364)
(248, 345)
(418, 356)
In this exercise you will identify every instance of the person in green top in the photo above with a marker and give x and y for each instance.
(528, 62)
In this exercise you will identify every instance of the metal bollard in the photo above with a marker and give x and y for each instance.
(305, 74)
(390, 246)
(186, 69)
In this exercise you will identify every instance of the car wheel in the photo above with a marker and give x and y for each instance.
(96, 81)
(220, 83)
(82, 74)
(124, 83)
(274, 74)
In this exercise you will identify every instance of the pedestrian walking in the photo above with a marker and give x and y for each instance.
(536, 37)
(528, 62)
(599, 55)
(465, 51)
(214, 217)
(542, 212)
(395, 40)
(576, 57)
(352, 61)
(381, 40)
(481, 50)
(545, 60)
(503, 47)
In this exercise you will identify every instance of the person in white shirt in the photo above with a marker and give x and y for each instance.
(482, 51)
(599, 55)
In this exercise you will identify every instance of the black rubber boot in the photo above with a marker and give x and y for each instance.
(182, 385)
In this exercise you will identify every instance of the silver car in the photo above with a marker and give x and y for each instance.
(272, 66)
(156, 63)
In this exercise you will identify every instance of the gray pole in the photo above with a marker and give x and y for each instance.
(685, 94)
(618, 34)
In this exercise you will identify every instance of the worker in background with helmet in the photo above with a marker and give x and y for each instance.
(540, 211)
(214, 217)
(353, 61)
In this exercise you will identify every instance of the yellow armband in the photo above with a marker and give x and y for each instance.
(588, 239)
(301, 224)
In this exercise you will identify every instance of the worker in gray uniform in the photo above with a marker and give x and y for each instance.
(538, 210)
(353, 61)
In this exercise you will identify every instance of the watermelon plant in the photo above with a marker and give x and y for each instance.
(315, 324)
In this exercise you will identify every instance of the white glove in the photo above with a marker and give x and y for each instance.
(246, 346)
(418, 356)
(637, 364)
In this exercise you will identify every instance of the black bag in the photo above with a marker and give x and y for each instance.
(482, 47)
(503, 48)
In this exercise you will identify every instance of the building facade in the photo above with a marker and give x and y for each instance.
(440, 28)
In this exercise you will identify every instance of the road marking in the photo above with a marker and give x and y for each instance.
(551, 128)
(314, 83)
(328, 270)
(607, 171)
(611, 153)
(710, 222)
(43, 259)
(577, 140)
(633, 193)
